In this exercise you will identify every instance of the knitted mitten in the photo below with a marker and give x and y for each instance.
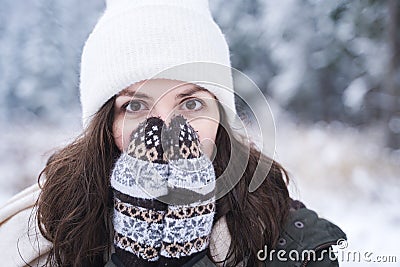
(138, 177)
(191, 197)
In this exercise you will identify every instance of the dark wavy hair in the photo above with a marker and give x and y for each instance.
(75, 204)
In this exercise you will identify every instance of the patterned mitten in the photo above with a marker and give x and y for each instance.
(191, 197)
(139, 176)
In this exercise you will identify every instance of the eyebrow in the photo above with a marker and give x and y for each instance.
(134, 94)
(189, 92)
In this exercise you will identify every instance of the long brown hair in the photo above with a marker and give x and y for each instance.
(253, 219)
(75, 205)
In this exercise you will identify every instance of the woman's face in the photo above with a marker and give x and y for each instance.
(165, 98)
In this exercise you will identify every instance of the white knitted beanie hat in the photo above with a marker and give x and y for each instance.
(135, 40)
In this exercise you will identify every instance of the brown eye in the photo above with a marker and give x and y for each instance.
(192, 104)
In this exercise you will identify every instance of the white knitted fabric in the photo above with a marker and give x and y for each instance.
(135, 40)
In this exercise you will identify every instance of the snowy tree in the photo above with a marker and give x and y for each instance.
(322, 60)
(41, 43)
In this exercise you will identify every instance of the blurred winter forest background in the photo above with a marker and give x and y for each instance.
(330, 70)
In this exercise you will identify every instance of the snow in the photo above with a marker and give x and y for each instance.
(394, 124)
(354, 94)
(25, 150)
(347, 176)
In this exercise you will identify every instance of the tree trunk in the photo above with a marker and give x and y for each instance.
(392, 110)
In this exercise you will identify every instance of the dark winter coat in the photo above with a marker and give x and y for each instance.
(304, 234)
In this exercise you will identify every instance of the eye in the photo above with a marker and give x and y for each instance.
(135, 106)
(192, 104)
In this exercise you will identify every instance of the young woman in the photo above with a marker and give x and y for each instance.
(144, 184)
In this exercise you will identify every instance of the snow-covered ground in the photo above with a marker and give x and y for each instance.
(342, 173)
(347, 177)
